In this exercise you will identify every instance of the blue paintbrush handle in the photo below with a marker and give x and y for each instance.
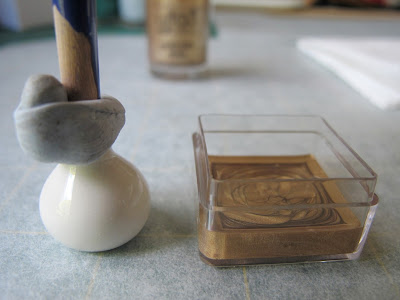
(76, 34)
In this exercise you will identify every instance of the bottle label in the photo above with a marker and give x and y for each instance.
(177, 31)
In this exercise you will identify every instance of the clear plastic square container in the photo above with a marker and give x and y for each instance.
(279, 189)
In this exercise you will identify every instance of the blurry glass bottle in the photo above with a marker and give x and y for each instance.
(177, 33)
(132, 11)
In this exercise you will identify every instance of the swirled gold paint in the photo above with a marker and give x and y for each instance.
(266, 191)
(244, 235)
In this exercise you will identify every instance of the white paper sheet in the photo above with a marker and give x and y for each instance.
(371, 66)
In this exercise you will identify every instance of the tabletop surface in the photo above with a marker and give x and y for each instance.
(254, 67)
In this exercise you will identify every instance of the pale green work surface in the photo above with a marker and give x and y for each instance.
(254, 68)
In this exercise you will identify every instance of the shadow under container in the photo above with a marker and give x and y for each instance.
(279, 189)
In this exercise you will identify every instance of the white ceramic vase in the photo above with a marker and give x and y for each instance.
(95, 207)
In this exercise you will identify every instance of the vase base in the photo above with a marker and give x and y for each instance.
(95, 207)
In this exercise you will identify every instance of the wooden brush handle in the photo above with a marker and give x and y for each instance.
(76, 35)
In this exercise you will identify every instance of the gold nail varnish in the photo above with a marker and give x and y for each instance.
(177, 37)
